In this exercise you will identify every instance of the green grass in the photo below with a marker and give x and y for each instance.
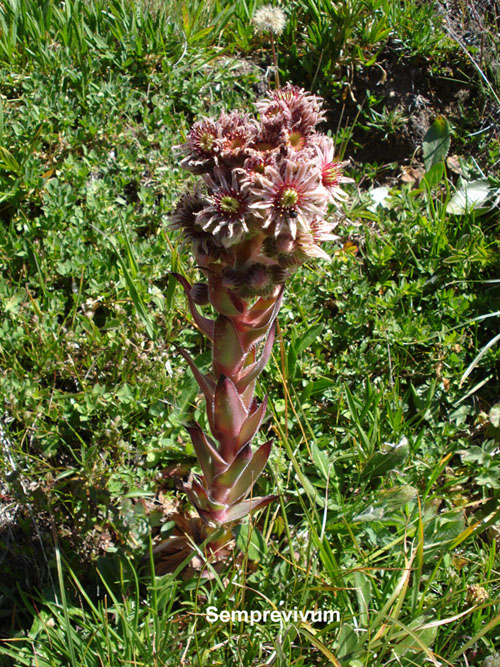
(385, 457)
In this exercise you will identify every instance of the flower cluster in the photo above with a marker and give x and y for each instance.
(259, 211)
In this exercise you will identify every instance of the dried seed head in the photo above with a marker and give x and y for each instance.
(269, 19)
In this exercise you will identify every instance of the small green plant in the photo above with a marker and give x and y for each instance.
(418, 29)
(322, 37)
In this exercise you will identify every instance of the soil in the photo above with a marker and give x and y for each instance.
(411, 93)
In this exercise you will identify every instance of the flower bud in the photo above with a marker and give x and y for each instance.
(284, 243)
(199, 294)
(279, 275)
(257, 277)
(286, 260)
(269, 248)
(206, 251)
(231, 278)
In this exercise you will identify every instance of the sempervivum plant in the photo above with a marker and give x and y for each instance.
(256, 214)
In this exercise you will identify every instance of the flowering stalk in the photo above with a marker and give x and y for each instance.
(256, 215)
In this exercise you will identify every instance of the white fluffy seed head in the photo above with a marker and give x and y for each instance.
(269, 19)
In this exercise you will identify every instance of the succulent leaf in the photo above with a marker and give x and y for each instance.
(250, 474)
(255, 369)
(252, 424)
(238, 511)
(229, 414)
(247, 395)
(223, 300)
(227, 478)
(250, 358)
(263, 312)
(228, 357)
(200, 498)
(206, 452)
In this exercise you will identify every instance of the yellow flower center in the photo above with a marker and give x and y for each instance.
(263, 146)
(206, 141)
(296, 140)
(289, 197)
(236, 142)
(229, 204)
(330, 175)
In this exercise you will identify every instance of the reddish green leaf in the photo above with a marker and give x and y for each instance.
(236, 512)
(229, 413)
(252, 424)
(206, 452)
(257, 368)
(198, 495)
(222, 299)
(227, 478)
(240, 510)
(228, 356)
(263, 311)
(250, 474)
(257, 326)
(247, 395)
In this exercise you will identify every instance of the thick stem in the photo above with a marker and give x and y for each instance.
(230, 467)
